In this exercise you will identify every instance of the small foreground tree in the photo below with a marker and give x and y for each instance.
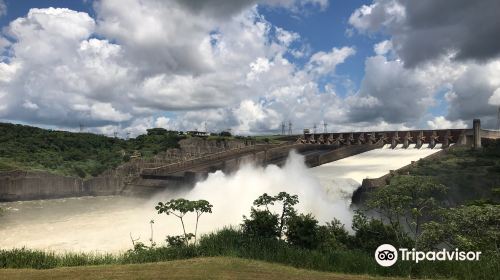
(179, 208)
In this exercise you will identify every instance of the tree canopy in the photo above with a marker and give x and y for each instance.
(76, 154)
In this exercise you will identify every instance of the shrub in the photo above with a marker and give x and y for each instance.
(302, 231)
(262, 223)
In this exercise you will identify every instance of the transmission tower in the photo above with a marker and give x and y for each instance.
(314, 128)
(81, 127)
(498, 120)
(128, 135)
(282, 128)
(115, 134)
(289, 128)
(325, 125)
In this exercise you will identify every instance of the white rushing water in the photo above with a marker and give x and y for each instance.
(103, 224)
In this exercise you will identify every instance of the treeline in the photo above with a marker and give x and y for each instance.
(76, 154)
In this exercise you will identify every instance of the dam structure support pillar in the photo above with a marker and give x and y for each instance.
(476, 128)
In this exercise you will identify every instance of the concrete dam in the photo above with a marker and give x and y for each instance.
(317, 149)
(141, 177)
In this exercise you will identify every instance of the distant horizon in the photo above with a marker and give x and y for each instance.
(121, 136)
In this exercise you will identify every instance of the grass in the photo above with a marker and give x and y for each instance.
(233, 244)
(197, 268)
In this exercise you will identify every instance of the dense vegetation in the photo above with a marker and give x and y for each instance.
(471, 176)
(77, 154)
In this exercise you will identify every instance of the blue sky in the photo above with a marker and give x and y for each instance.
(145, 63)
(321, 30)
(326, 29)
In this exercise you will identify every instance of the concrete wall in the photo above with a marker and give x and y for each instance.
(29, 185)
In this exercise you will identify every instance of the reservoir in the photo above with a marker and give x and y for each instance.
(107, 223)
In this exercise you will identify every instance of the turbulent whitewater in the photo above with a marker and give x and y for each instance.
(104, 224)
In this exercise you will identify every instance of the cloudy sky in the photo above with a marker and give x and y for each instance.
(249, 65)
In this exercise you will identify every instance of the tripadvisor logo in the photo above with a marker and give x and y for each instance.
(387, 255)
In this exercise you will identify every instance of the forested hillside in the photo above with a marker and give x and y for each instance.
(77, 154)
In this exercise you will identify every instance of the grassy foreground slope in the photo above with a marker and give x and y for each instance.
(198, 268)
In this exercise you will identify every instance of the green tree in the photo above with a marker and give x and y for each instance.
(408, 199)
(302, 231)
(371, 233)
(466, 227)
(200, 207)
(262, 223)
(334, 236)
(287, 203)
(266, 223)
(180, 207)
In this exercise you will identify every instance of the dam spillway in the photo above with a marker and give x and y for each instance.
(104, 224)
(376, 163)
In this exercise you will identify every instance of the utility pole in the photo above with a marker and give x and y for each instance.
(289, 128)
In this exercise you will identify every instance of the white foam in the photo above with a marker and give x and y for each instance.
(104, 223)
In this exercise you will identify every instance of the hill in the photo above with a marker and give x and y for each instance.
(76, 154)
(472, 176)
(198, 268)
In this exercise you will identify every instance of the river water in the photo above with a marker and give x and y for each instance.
(107, 224)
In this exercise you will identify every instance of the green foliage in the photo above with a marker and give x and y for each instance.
(262, 223)
(179, 208)
(408, 199)
(468, 174)
(178, 240)
(371, 233)
(302, 231)
(333, 236)
(75, 154)
(474, 228)
(287, 211)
